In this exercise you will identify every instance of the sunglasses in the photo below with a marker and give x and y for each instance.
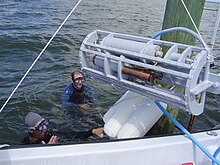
(78, 79)
(40, 127)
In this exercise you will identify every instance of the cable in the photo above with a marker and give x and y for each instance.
(210, 56)
(180, 29)
(188, 134)
(39, 55)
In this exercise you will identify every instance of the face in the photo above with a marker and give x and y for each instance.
(78, 81)
(39, 131)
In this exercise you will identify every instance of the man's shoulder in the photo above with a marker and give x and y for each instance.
(66, 93)
(69, 88)
(87, 88)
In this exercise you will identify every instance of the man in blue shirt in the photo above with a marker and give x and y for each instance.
(77, 92)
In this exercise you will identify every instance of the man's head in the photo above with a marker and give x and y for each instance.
(77, 79)
(37, 126)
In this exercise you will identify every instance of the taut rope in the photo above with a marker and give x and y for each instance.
(39, 55)
(193, 22)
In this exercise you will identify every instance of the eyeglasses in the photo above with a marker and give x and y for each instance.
(78, 79)
(40, 127)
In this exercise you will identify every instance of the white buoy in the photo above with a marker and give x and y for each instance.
(119, 114)
(132, 116)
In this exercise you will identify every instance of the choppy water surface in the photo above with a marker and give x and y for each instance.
(25, 28)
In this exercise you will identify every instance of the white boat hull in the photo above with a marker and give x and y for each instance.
(169, 150)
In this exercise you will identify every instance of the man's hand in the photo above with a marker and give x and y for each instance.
(98, 132)
(52, 140)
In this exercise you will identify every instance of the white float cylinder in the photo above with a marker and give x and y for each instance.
(132, 116)
(118, 115)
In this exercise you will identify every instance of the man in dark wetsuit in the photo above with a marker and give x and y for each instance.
(77, 92)
(38, 131)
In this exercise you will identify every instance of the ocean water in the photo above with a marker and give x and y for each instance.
(26, 26)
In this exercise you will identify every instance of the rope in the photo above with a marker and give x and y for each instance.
(39, 55)
(209, 50)
(193, 22)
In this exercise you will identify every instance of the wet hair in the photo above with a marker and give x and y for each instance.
(74, 72)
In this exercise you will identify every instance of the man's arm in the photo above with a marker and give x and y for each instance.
(85, 134)
(66, 93)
